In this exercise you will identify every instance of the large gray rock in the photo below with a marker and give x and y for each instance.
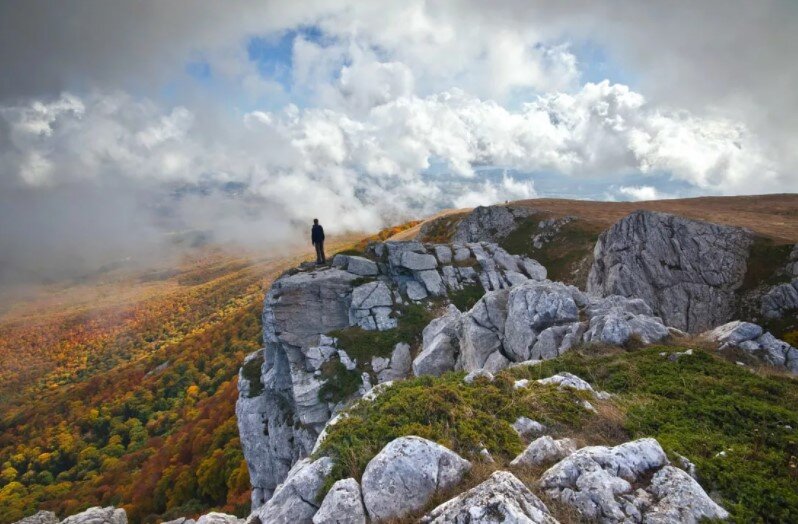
(297, 498)
(501, 498)
(406, 474)
(686, 270)
(755, 341)
(342, 505)
(371, 306)
(610, 484)
(780, 300)
(40, 517)
(98, 515)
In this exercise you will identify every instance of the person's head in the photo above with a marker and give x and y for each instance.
(316, 221)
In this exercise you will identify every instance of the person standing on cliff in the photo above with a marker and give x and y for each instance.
(317, 238)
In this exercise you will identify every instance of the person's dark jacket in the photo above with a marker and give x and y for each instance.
(317, 234)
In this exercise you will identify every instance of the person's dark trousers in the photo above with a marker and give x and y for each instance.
(320, 259)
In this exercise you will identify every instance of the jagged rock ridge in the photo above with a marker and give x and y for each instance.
(279, 410)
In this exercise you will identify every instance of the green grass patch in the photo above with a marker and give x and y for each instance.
(463, 417)
(251, 372)
(700, 406)
(361, 344)
(766, 263)
(341, 383)
(465, 298)
(563, 255)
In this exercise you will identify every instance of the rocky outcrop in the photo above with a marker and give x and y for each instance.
(490, 223)
(611, 484)
(544, 450)
(297, 498)
(406, 474)
(282, 404)
(686, 270)
(342, 505)
(780, 300)
(98, 515)
(531, 321)
(40, 517)
(757, 342)
(501, 498)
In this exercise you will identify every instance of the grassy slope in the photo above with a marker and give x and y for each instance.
(698, 406)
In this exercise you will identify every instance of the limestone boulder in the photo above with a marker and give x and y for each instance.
(404, 476)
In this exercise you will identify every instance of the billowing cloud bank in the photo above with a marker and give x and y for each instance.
(359, 114)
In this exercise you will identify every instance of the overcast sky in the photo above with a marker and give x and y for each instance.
(123, 121)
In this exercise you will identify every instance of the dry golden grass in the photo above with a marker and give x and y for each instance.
(773, 216)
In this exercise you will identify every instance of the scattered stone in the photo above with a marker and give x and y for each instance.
(478, 373)
(342, 505)
(544, 449)
(405, 475)
(501, 498)
(758, 343)
(525, 427)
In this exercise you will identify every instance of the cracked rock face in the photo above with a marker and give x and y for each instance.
(295, 500)
(405, 475)
(342, 505)
(501, 498)
(780, 300)
(98, 515)
(531, 321)
(755, 341)
(281, 415)
(686, 270)
(610, 484)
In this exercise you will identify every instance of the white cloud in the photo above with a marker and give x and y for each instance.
(642, 193)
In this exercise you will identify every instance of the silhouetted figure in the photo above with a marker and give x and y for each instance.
(317, 237)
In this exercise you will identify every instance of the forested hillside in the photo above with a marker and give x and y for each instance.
(120, 389)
